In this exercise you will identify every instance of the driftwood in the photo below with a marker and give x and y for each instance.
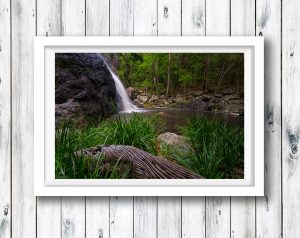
(142, 165)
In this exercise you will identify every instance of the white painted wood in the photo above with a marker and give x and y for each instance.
(145, 217)
(73, 17)
(217, 208)
(48, 208)
(48, 217)
(217, 217)
(121, 17)
(169, 208)
(145, 17)
(193, 208)
(193, 217)
(97, 217)
(97, 208)
(23, 200)
(121, 217)
(97, 18)
(242, 217)
(5, 120)
(217, 17)
(121, 208)
(242, 208)
(290, 117)
(145, 208)
(73, 208)
(169, 17)
(169, 217)
(268, 208)
(48, 20)
(73, 217)
(193, 18)
(242, 18)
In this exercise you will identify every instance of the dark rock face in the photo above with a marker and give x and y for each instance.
(84, 87)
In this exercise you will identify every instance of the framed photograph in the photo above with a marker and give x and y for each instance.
(149, 116)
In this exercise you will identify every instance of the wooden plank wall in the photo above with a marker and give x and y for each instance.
(274, 215)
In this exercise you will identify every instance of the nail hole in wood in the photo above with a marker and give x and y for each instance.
(166, 12)
(5, 210)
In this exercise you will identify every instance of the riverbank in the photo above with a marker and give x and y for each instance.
(225, 101)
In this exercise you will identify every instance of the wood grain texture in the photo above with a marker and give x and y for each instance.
(193, 217)
(97, 217)
(169, 17)
(169, 208)
(268, 208)
(145, 208)
(193, 208)
(290, 117)
(121, 17)
(73, 209)
(242, 208)
(73, 217)
(5, 120)
(193, 18)
(145, 217)
(169, 217)
(97, 18)
(23, 200)
(48, 209)
(97, 208)
(121, 217)
(145, 18)
(73, 17)
(218, 208)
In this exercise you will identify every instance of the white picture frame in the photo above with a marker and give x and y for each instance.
(45, 183)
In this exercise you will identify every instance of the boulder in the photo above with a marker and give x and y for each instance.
(132, 93)
(84, 87)
(176, 143)
(142, 99)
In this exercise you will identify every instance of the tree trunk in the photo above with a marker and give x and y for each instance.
(169, 76)
(141, 164)
(206, 69)
(155, 77)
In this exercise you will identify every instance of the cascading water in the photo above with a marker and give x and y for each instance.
(126, 104)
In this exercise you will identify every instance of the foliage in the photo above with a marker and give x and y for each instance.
(149, 71)
(138, 130)
(218, 147)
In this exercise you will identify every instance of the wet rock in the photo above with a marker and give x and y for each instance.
(132, 93)
(84, 87)
(142, 99)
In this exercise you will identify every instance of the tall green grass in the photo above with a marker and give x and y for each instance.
(218, 147)
(137, 130)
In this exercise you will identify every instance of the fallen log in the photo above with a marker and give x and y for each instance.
(142, 165)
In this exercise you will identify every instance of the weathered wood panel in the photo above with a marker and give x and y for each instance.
(290, 117)
(121, 208)
(193, 208)
(97, 17)
(73, 209)
(5, 120)
(23, 201)
(48, 23)
(97, 208)
(242, 208)
(193, 18)
(218, 208)
(97, 217)
(169, 217)
(268, 208)
(169, 208)
(121, 17)
(145, 208)
(121, 217)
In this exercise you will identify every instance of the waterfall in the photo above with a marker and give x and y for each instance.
(126, 104)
